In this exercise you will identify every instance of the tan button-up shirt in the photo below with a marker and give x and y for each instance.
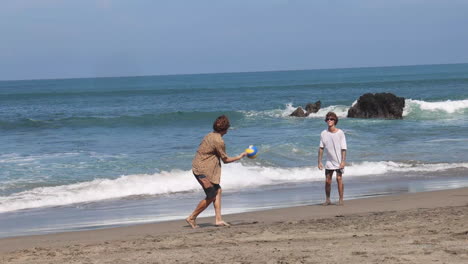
(207, 161)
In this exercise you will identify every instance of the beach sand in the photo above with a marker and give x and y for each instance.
(427, 227)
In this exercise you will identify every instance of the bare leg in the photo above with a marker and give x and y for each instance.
(202, 205)
(339, 181)
(328, 181)
(217, 206)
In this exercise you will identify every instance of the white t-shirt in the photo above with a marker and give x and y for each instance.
(333, 143)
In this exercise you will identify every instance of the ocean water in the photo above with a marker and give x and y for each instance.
(99, 152)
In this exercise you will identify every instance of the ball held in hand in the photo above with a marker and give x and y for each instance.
(251, 152)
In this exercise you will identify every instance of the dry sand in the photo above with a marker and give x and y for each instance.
(429, 227)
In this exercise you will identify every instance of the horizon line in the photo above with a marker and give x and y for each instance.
(239, 72)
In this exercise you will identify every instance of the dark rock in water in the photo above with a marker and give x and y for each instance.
(310, 108)
(379, 105)
(313, 108)
(299, 112)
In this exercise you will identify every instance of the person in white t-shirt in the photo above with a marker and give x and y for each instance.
(333, 141)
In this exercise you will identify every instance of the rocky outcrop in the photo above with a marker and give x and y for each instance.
(379, 105)
(310, 108)
(313, 108)
(299, 112)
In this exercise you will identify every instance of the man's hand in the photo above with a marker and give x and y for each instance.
(320, 166)
(343, 159)
(342, 165)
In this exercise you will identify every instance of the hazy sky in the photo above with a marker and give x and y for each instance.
(86, 38)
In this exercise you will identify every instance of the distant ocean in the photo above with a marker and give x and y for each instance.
(99, 152)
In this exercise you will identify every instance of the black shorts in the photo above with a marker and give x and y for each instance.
(210, 192)
(338, 171)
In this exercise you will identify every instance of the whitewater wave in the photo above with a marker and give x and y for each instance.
(448, 106)
(235, 177)
(413, 108)
(284, 112)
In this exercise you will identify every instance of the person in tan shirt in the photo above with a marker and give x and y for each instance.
(206, 167)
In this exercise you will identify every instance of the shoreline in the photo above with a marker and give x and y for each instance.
(129, 212)
(13, 249)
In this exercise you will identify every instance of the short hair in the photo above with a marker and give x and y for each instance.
(221, 124)
(333, 115)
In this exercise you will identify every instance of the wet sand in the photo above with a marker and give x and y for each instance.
(427, 227)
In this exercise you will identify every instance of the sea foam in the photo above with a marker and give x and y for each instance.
(235, 177)
(447, 106)
(286, 111)
(412, 107)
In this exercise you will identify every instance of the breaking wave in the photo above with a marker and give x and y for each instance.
(235, 177)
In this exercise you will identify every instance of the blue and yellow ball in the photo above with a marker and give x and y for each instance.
(251, 152)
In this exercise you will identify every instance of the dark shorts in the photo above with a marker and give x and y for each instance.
(338, 172)
(210, 191)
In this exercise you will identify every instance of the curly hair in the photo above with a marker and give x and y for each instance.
(332, 115)
(221, 124)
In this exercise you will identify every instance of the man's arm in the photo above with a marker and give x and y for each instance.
(320, 156)
(236, 158)
(343, 159)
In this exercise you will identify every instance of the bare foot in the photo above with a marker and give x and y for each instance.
(327, 203)
(192, 222)
(222, 223)
(341, 203)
